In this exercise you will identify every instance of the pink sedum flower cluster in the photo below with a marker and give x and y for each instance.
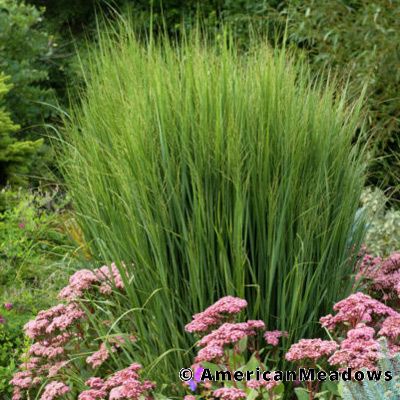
(56, 330)
(383, 276)
(228, 333)
(85, 279)
(54, 390)
(122, 385)
(311, 350)
(266, 384)
(272, 337)
(216, 314)
(356, 308)
(229, 394)
(359, 350)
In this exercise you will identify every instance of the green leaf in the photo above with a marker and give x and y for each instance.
(302, 394)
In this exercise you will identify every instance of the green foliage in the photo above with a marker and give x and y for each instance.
(12, 345)
(215, 173)
(25, 55)
(36, 256)
(383, 228)
(31, 237)
(360, 38)
(379, 390)
(15, 156)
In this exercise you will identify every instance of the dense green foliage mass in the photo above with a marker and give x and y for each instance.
(360, 39)
(215, 172)
(355, 38)
(25, 53)
(15, 155)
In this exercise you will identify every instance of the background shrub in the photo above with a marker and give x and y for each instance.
(383, 228)
(215, 173)
(15, 155)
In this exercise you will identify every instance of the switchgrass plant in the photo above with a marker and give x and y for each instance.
(214, 172)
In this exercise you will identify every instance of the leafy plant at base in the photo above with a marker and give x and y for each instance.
(216, 173)
(380, 390)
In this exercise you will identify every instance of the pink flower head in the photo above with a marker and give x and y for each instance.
(210, 353)
(131, 390)
(384, 275)
(231, 333)
(310, 349)
(86, 279)
(356, 308)
(16, 394)
(268, 383)
(92, 394)
(391, 327)
(272, 337)
(98, 357)
(215, 314)
(359, 350)
(226, 334)
(95, 383)
(22, 379)
(21, 225)
(120, 377)
(58, 318)
(53, 390)
(8, 306)
(229, 394)
(189, 397)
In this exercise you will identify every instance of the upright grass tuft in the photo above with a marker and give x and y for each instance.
(215, 172)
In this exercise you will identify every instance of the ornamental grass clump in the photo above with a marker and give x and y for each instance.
(214, 173)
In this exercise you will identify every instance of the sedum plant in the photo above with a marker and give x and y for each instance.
(216, 173)
(376, 390)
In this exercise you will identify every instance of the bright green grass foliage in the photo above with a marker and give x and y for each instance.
(215, 173)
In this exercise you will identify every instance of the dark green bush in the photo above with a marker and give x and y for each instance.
(360, 38)
(16, 156)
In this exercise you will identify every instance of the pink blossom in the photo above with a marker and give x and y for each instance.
(8, 306)
(229, 394)
(78, 283)
(384, 275)
(310, 349)
(95, 382)
(54, 369)
(59, 317)
(53, 390)
(22, 379)
(86, 279)
(227, 333)
(92, 394)
(231, 333)
(119, 377)
(391, 327)
(272, 337)
(189, 397)
(215, 314)
(210, 353)
(356, 308)
(98, 357)
(16, 394)
(359, 350)
(263, 383)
